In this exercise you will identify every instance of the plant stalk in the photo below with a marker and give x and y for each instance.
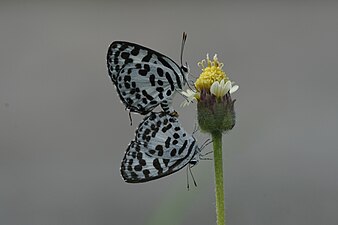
(218, 162)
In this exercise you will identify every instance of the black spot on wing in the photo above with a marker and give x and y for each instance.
(146, 173)
(167, 142)
(173, 152)
(125, 55)
(135, 51)
(171, 82)
(124, 46)
(152, 79)
(149, 97)
(146, 67)
(168, 93)
(134, 175)
(159, 89)
(165, 63)
(143, 72)
(183, 147)
(160, 71)
(152, 151)
(147, 57)
(138, 168)
(164, 129)
(127, 78)
(159, 148)
(157, 165)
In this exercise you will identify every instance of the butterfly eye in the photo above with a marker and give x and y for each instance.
(193, 162)
(184, 69)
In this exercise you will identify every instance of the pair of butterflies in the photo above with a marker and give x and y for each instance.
(145, 79)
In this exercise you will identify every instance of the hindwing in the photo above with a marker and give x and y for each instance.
(161, 147)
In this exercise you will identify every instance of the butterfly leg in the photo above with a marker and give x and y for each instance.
(130, 119)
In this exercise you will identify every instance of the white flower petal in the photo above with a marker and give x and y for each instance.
(219, 89)
(214, 88)
(233, 89)
(222, 92)
(227, 86)
(222, 82)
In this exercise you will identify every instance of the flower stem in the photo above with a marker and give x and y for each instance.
(217, 143)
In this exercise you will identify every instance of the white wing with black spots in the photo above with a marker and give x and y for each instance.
(139, 72)
(161, 147)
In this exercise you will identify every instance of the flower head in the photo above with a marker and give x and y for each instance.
(215, 107)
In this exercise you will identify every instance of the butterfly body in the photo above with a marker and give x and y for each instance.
(161, 147)
(143, 77)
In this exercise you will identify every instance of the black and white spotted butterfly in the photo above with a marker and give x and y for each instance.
(143, 77)
(161, 147)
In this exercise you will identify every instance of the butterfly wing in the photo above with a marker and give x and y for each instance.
(139, 72)
(142, 92)
(161, 147)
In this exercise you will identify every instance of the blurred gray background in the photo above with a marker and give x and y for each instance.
(64, 131)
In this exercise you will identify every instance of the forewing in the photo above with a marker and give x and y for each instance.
(122, 54)
(143, 77)
(161, 147)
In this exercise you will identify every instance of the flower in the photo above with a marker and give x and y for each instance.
(215, 114)
(215, 108)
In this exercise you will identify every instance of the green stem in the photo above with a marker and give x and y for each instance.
(217, 143)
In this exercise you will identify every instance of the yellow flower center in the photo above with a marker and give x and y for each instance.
(211, 72)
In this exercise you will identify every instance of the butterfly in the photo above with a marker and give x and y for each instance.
(145, 78)
(161, 147)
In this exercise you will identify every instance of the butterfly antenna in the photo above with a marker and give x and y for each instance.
(184, 39)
